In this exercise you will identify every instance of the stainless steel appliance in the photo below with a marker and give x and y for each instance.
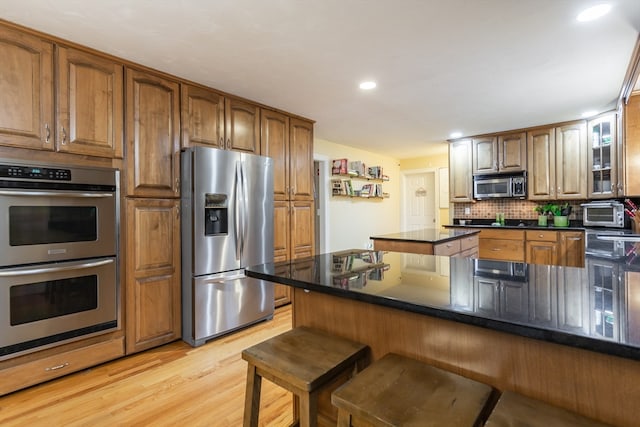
(58, 239)
(500, 186)
(606, 213)
(227, 225)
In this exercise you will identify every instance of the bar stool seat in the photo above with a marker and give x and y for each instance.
(302, 361)
(514, 409)
(398, 391)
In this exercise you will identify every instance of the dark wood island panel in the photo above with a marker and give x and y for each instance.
(600, 386)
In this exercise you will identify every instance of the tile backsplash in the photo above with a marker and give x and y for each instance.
(512, 208)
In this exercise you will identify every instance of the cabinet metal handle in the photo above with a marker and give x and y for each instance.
(221, 142)
(178, 212)
(448, 245)
(64, 136)
(48, 129)
(228, 142)
(540, 235)
(496, 249)
(55, 368)
(177, 188)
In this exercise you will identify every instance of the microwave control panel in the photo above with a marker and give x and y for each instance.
(34, 172)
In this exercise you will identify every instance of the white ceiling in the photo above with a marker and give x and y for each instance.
(475, 66)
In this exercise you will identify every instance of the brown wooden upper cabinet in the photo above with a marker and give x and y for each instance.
(300, 159)
(89, 104)
(556, 162)
(631, 184)
(26, 79)
(212, 119)
(460, 183)
(571, 161)
(602, 157)
(274, 143)
(153, 142)
(501, 153)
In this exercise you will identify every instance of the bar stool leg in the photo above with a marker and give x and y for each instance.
(344, 418)
(308, 409)
(252, 397)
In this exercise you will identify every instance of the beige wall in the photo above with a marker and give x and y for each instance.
(438, 159)
(351, 221)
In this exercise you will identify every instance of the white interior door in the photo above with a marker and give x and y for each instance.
(420, 201)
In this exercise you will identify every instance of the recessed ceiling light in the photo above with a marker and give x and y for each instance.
(594, 12)
(455, 134)
(368, 85)
(589, 113)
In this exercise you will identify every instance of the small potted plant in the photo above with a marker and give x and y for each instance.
(543, 213)
(561, 215)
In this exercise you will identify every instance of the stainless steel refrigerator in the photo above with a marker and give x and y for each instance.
(227, 225)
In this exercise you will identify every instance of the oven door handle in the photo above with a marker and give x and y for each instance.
(54, 194)
(25, 271)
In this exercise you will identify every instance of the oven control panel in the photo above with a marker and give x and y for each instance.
(34, 172)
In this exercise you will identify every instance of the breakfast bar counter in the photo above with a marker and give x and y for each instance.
(548, 332)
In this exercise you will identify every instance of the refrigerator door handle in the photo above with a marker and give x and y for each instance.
(237, 211)
(243, 214)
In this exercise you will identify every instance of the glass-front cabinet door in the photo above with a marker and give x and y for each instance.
(602, 156)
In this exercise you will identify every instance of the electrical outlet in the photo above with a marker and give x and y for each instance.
(467, 211)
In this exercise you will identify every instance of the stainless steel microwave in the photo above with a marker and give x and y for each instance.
(605, 213)
(500, 186)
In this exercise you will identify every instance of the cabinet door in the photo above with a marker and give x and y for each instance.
(541, 164)
(274, 143)
(602, 157)
(540, 252)
(485, 155)
(89, 104)
(512, 152)
(282, 293)
(302, 231)
(572, 248)
(281, 231)
(631, 185)
(202, 113)
(152, 287)
(242, 129)
(460, 181)
(26, 88)
(301, 159)
(571, 161)
(153, 122)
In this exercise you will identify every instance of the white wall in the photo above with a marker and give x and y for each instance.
(350, 222)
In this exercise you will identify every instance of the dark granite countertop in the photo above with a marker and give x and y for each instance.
(427, 235)
(526, 224)
(502, 296)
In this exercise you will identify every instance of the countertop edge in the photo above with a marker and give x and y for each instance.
(469, 232)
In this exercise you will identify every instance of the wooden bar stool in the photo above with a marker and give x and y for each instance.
(514, 409)
(302, 361)
(398, 391)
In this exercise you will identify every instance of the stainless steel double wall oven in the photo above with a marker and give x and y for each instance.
(58, 268)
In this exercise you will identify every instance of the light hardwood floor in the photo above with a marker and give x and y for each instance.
(167, 386)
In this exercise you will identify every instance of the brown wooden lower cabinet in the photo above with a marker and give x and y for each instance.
(548, 247)
(152, 276)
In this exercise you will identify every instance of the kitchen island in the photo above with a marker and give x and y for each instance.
(541, 330)
(430, 241)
